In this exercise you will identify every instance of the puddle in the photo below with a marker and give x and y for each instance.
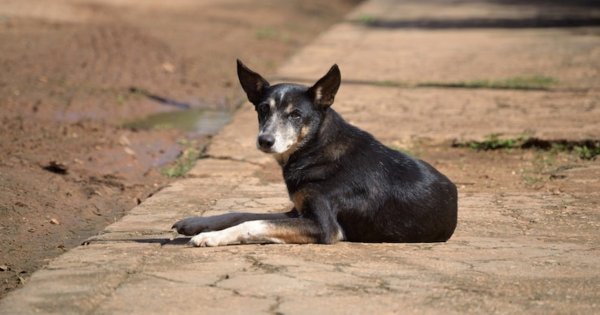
(198, 122)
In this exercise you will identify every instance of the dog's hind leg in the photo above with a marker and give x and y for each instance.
(284, 231)
(194, 225)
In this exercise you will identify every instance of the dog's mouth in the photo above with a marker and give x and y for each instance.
(273, 149)
(266, 150)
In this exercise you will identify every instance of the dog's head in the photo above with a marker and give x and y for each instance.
(288, 114)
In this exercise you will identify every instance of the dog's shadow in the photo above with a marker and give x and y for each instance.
(163, 241)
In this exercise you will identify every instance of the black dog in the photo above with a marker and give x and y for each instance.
(344, 184)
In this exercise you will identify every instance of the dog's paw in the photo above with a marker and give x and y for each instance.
(190, 226)
(207, 239)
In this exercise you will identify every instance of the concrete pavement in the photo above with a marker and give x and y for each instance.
(513, 251)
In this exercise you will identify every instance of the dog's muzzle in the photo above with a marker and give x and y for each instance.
(265, 142)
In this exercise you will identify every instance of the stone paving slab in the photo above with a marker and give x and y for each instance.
(500, 260)
(396, 114)
(513, 252)
(445, 55)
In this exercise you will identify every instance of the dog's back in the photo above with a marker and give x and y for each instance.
(378, 194)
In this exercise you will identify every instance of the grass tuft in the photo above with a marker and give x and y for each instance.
(535, 82)
(267, 33)
(587, 152)
(366, 19)
(186, 160)
(494, 142)
(585, 149)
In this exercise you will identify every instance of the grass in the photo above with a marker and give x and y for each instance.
(587, 152)
(536, 82)
(266, 33)
(584, 149)
(271, 34)
(186, 160)
(366, 19)
(543, 162)
(121, 99)
(494, 142)
(391, 83)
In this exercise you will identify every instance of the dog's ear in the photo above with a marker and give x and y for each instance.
(323, 92)
(253, 84)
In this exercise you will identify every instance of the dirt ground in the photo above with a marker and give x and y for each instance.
(67, 166)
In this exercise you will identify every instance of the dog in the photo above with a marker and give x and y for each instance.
(344, 184)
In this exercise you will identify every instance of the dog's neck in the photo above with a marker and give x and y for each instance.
(283, 158)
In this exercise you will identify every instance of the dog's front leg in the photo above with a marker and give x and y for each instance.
(285, 231)
(194, 225)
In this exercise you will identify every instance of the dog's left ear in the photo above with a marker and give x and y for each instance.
(323, 92)
(253, 84)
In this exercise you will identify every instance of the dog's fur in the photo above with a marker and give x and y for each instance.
(344, 184)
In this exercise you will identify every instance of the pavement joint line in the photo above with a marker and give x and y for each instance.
(229, 158)
(435, 85)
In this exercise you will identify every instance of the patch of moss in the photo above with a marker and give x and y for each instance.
(186, 160)
(494, 142)
(535, 82)
(587, 152)
(585, 149)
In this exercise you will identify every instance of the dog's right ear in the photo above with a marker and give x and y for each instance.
(253, 84)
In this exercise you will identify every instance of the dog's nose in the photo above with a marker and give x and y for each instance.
(266, 141)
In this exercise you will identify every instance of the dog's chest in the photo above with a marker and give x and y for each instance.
(298, 198)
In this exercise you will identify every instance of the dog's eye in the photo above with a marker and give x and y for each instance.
(295, 115)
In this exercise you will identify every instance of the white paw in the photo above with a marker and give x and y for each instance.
(207, 239)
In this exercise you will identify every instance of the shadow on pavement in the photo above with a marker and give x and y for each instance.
(162, 241)
(533, 22)
(543, 14)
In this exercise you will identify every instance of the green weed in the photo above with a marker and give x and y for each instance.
(494, 142)
(121, 99)
(585, 149)
(515, 83)
(366, 19)
(532, 180)
(586, 152)
(186, 160)
(536, 82)
(391, 83)
(267, 33)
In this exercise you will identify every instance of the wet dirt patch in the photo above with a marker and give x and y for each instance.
(197, 122)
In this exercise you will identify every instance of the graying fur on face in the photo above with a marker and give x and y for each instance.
(282, 130)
